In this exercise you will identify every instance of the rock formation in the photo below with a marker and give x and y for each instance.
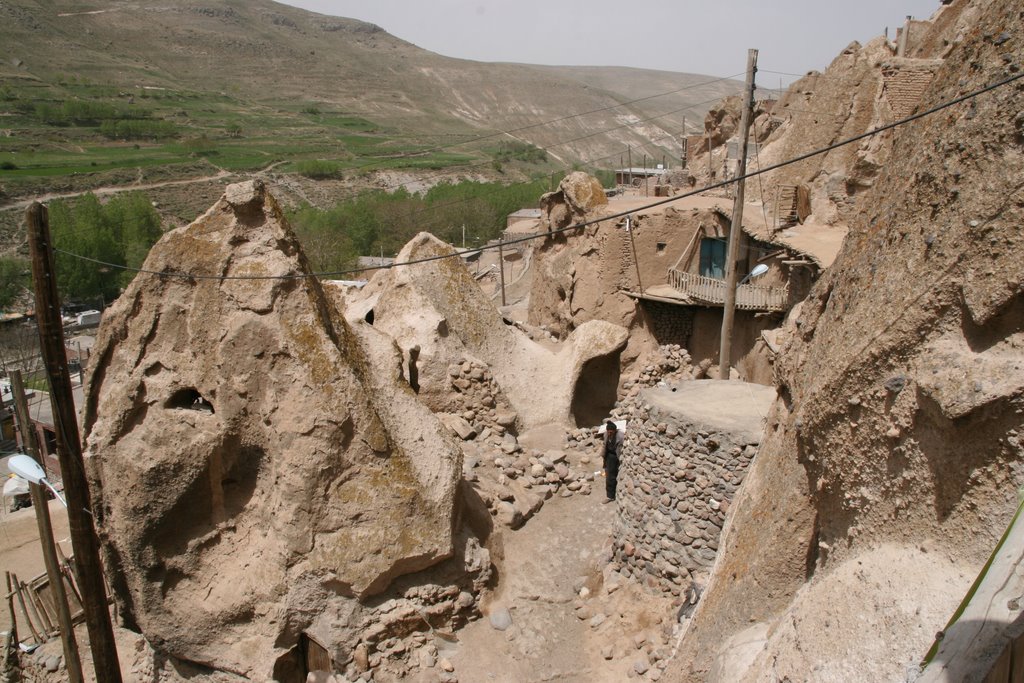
(437, 308)
(577, 194)
(893, 459)
(260, 466)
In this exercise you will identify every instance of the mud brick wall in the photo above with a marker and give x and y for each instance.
(676, 483)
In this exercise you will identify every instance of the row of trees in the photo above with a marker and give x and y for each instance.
(385, 221)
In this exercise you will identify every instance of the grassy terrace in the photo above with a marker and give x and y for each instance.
(69, 128)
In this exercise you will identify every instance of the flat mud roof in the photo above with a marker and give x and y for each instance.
(727, 406)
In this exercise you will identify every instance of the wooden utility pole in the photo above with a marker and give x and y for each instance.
(636, 261)
(501, 268)
(683, 151)
(69, 449)
(729, 309)
(645, 174)
(53, 573)
(711, 173)
(629, 162)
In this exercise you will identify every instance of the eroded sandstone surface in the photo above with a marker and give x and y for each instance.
(260, 466)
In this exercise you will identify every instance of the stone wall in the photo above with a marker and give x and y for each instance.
(904, 82)
(669, 323)
(677, 479)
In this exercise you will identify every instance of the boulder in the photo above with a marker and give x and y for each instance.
(256, 462)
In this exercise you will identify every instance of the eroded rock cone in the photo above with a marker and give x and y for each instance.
(434, 305)
(257, 464)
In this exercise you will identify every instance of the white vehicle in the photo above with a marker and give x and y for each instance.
(88, 318)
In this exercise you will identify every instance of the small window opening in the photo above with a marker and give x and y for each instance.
(189, 399)
(661, 246)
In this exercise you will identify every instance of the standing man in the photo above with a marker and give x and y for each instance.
(612, 448)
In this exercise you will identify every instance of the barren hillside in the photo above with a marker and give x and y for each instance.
(265, 51)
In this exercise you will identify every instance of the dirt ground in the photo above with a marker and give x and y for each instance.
(20, 552)
(571, 618)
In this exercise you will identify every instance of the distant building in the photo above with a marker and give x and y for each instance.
(629, 176)
(522, 215)
(368, 265)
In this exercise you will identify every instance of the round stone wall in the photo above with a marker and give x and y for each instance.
(678, 476)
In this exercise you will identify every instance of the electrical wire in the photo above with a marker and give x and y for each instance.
(577, 226)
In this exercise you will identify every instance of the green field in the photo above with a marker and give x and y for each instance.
(70, 128)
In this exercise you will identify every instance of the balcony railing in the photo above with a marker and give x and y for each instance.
(710, 291)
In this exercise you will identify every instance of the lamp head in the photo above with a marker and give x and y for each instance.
(26, 468)
(759, 270)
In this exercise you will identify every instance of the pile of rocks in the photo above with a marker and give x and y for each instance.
(515, 485)
(671, 363)
(400, 635)
(675, 487)
(477, 408)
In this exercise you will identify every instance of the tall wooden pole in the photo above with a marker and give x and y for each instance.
(501, 268)
(683, 152)
(711, 173)
(53, 573)
(69, 449)
(729, 310)
(636, 261)
(629, 162)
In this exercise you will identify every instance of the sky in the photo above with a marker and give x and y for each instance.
(708, 37)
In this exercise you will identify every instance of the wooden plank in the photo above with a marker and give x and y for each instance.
(10, 608)
(1017, 661)
(24, 610)
(44, 616)
(986, 623)
(317, 656)
(1000, 673)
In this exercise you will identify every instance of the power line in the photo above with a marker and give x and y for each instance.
(584, 224)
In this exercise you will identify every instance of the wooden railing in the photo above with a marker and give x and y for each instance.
(711, 291)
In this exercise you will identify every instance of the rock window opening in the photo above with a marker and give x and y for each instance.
(189, 399)
(661, 246)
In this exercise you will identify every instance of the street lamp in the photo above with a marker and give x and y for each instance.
(29, 470)
(759, 270)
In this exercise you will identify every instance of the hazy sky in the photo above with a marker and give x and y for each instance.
(707, 37)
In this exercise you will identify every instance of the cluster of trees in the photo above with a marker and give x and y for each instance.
(519, 151)
(86, 112)
(115, 121)
(384, 221)
(118, 233)
(14, 281)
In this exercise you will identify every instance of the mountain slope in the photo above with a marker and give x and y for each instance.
(268, 52)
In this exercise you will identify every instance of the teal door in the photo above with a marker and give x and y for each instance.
(712, 258)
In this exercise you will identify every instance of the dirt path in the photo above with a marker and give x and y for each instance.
(545, 561)
(114, 189)
(558, 633)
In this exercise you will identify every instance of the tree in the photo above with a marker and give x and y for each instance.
(14, 280)
(93, 239)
